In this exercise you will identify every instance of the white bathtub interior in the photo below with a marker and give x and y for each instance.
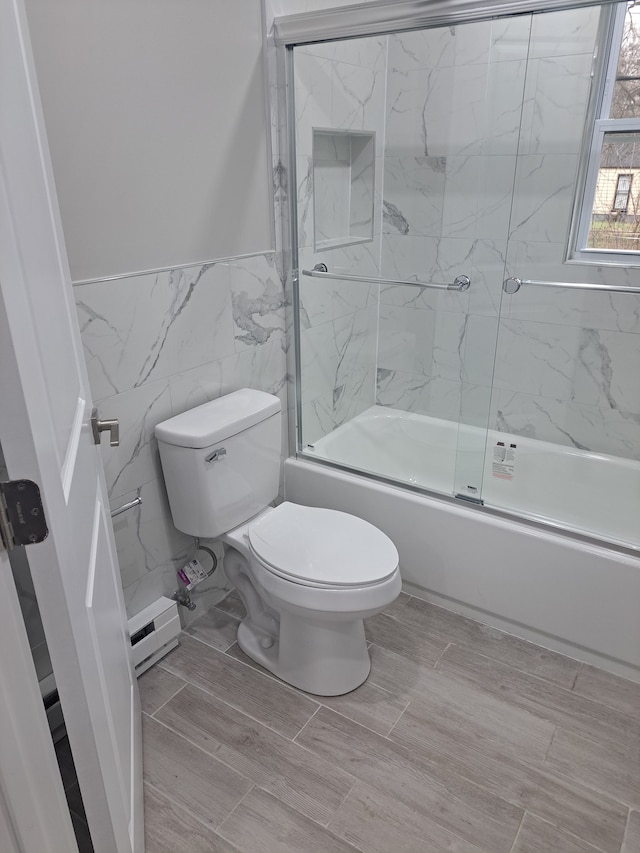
(590, 493)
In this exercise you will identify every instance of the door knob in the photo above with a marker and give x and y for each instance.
(108, 424)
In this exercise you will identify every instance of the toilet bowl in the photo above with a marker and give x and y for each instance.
(307, 576)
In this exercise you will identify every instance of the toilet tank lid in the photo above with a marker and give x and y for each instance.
(218, 420)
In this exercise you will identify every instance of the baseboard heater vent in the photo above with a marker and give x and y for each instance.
(154, 632)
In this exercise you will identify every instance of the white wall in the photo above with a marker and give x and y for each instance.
(156, 119)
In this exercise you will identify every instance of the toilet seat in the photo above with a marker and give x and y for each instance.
(322, 548)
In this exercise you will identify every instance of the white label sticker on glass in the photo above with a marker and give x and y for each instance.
(504, 461)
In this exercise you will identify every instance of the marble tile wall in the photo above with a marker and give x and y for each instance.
(339, 86)
(157, 345)
(454, 99)
(484, 126)
(577, 353)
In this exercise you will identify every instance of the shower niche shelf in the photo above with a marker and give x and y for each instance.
(343, 187)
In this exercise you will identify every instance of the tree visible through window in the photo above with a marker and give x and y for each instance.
(615, 210)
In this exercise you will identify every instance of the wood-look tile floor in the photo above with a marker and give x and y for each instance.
(463, 739)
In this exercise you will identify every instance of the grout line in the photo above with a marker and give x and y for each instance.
(236, 708)
(388, 734)
(564, 830)
(225, 819)
(192, 814)
(206, 642)
(513, 845)
(573, 683)
(624, 834)
(362, 725)
(554, 685)
(441, 654)
(215, 756)
(574, 780)
(342, 802)
(546, 752)
(173, 696)
(293, 739)
(227, 762)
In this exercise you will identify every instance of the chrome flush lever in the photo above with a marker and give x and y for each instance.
(216, 456)
(110, 424)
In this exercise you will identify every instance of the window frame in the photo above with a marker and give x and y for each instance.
(624, 193)
(609, 47)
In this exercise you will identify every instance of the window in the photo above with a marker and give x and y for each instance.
(608, 228)
(621, 197)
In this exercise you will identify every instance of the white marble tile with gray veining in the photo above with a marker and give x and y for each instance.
(325, 300)
(145, 535)
(478, 353)
(607, 370)
(441, 261)
(365, 52)
(566, 423)
(537, 357)
(449, 344)
(477, 197)
(413, 195)
(313, 92)
(257, 297)
(139, 329)
(163, 581)
(358, 100)
(195, 387)
(410, 51)
(304, 177)
(425, 259)
(472, 109)
(418, 393)
(543, 196)
(262, 367)
(338, 406)
(330, 352)
(509, 39)
(546, 262)
(406, 339)
(564, 33)
(135, 461)
(555, 102)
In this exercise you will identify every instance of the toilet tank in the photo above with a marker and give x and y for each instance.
(221, 461)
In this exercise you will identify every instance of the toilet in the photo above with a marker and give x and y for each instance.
(307, 576)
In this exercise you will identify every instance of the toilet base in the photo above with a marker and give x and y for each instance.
(326, 658)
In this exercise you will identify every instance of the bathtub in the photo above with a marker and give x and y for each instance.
(550, 585)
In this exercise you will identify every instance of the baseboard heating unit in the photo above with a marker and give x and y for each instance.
(154, 632)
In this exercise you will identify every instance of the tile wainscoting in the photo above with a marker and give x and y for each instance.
(159, 344)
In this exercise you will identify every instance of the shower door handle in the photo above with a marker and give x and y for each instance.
(110, 425)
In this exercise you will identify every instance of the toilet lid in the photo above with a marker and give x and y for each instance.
(322, 546)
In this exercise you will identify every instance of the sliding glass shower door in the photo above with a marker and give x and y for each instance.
(433, 166)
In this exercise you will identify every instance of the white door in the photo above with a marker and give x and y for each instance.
(45, 409)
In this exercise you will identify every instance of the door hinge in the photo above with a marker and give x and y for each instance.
(22, 519)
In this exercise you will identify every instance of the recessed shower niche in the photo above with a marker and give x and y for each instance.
(343, 187)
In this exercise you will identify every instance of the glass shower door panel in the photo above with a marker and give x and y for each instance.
(339, 107)
(454, 101)
(566, 404)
